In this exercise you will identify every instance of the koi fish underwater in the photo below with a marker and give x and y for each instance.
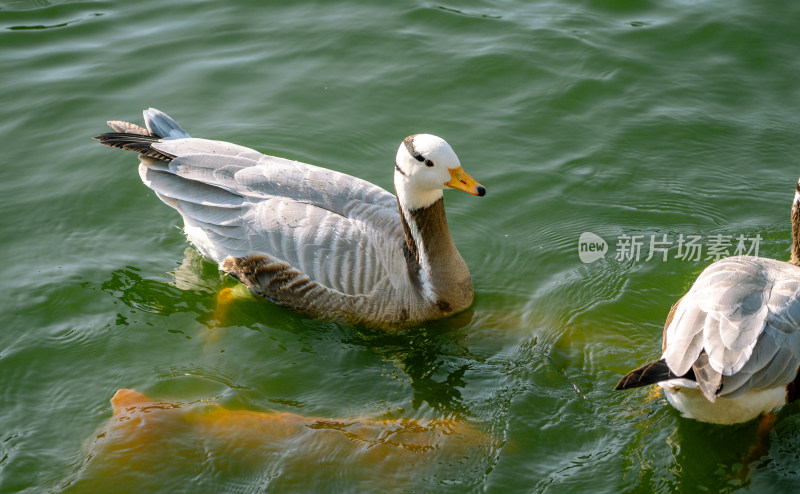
(146, 437)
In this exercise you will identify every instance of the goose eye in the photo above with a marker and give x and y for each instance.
(428, 163)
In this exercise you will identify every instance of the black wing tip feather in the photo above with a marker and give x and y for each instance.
(139, 143)
(651, 373)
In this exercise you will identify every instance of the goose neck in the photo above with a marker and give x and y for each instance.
(795, 259)
(434, 264)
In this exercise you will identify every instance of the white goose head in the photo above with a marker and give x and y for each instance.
(424, 166)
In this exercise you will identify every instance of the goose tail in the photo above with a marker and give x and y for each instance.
(162, 125)
(132, 137)
(651, 373)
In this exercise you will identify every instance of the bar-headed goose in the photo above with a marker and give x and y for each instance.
(731, 345)
(312, 239)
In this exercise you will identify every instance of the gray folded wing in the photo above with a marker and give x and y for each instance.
(342, 232)
(738, 327)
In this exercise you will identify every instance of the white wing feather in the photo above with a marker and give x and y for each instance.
(341, 231)
(746, 312)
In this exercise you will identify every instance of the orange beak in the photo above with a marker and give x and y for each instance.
(459, 179)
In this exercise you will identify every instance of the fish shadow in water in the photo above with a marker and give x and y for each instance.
(150, 443)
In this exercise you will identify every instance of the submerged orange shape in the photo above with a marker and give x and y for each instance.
(146, 439)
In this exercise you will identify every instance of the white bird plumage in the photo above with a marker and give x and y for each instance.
(731, 345)
(313, 239)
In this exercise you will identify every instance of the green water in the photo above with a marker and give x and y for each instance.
(618, 118)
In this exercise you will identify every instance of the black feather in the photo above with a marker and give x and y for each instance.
(142, 144)
(651, 373)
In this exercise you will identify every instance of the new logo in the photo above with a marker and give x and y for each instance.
(591, 247)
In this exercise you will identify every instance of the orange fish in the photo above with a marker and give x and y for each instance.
(150, 444)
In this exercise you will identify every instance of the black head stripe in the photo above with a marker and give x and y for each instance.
(409, 142)
(397, 167)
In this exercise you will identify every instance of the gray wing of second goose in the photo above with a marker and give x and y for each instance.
(738, 327)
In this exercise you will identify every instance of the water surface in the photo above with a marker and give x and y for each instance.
(656, 119)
